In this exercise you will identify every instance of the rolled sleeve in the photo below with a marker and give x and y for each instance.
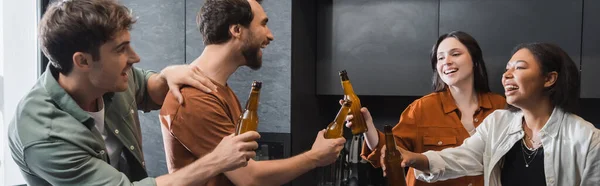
(142, 96)
(437, 166)
(405, 134)
(373, 155)
(464, 160)
(591, 172)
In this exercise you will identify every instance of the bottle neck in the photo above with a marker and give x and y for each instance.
(341, 115)
(344, 77)
(390, 142)
(252, 103)
(347, 87)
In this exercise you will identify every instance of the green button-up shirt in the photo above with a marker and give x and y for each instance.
(55, 142)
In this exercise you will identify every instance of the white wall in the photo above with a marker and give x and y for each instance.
(1, 74)
(1, 88)
(19, 20)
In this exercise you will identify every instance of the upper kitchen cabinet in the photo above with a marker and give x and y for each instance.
(384, 45)
(590, 61)
(499, 26)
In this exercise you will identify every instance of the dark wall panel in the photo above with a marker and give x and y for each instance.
(274, 109)
(304, 105)
(499, 26)
(384, 45)
(590, 62)
(158, 38)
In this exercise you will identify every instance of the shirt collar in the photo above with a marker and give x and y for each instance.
(449, 105)
(550, 128)
(64, 101)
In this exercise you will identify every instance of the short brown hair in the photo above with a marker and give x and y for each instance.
(216, 16)
(71, 26)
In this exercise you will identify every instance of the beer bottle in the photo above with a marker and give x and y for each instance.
(335, 129)
(393, 159)
(249, 118)
(359, 125)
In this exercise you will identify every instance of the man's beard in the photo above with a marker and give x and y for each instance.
(250, 54)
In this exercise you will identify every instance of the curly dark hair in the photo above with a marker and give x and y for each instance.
(216, 16)
(80, 26)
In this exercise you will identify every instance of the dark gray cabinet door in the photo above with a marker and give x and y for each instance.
(499, 26)
(274, 109)
(384, 45)
(158, 38)
(590, 62)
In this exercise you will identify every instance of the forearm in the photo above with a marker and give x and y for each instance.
(197, 173)
(449, 163)
(371, 137)
(279, 172)
(421, 162)
(372, 154)
(157, 88)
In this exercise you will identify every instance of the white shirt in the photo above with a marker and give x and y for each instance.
(113, 146)
(571, 150)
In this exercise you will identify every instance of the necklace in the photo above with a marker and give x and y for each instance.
(529, 152)
(530, 139)
(533, 143)
(524, 149)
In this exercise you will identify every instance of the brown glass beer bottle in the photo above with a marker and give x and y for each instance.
(335, 129)
(249, 118)
(393, 159)
(359, 125)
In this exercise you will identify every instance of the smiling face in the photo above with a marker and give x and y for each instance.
(109, 73)
(454, 64)
(256, 36)
(524, 83)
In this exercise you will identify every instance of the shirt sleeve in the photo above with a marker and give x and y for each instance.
(142, 96)
(464, 160)
(201, 123)
(62, 163)
(405, 133)
(591, 173)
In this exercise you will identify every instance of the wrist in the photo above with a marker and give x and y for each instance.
(310, 157)
(162, 75)
(423, 163)
(371, 137)
(211, 160)
(205, 167)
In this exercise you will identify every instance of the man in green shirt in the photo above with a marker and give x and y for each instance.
(79, 124)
